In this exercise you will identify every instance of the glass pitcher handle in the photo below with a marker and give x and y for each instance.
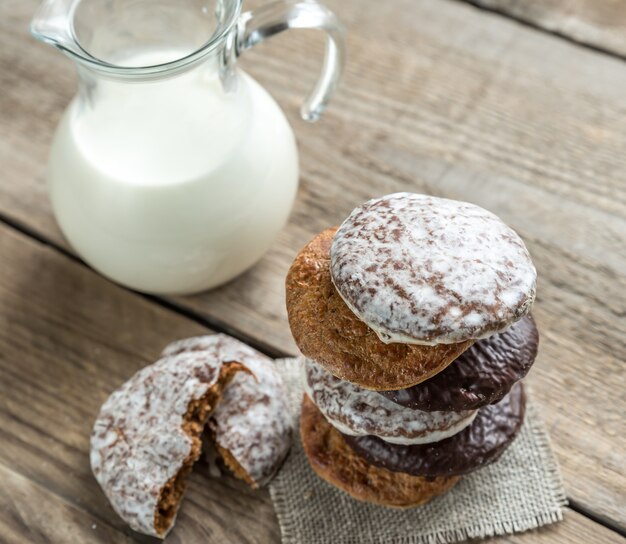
(260, 24)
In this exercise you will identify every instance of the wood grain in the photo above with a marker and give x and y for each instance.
(574, 530)
(67, 339)
(463, 104)
(438, 97)
(60, 355)
(31, 513)
(599, 23)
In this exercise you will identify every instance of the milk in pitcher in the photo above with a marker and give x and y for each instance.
(199, 192)
(172, 171)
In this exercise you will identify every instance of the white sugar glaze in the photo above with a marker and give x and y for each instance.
(358, 412)
(251, 421)
(138, 443)
(426, 270)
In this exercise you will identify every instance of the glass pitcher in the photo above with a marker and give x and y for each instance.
(172, 170)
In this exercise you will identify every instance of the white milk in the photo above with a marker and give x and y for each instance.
(173, 186)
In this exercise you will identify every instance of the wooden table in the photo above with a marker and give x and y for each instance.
(519, 106)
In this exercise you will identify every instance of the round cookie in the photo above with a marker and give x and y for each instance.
(493, 430)
(251, 426)
(481, 375)
(147, 436)
(426, 270)
(328, 332)
(360, 412)
(335, 462)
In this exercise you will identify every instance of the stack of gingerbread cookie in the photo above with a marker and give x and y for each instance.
(414, 318)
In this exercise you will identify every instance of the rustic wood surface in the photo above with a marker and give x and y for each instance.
(438, 97)
(598, 23)
(76, 340)
(67, 339)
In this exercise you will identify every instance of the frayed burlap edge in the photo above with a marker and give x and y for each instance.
(283, 499)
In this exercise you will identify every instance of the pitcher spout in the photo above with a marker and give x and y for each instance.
(52, 24)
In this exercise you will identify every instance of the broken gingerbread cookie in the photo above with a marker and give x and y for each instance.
(148, 434)
(251, 426)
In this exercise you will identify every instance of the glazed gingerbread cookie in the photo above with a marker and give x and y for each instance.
(251, 426)
(328, 332)
(359, 412)
(147, 436)
(425, 270)
(334, 461)
(479, 444)
(482, 375)
(148, 433)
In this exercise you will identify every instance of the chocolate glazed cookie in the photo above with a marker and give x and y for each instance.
(334, 461)
(481, 375)
(493, 430)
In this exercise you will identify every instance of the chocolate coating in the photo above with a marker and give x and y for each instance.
(494, 428)
(334, 461)
(481, 375)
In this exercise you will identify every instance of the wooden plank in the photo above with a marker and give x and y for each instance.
(67, 339)
(443, 98)
(59, 356)
(576, 529)
(599, 23)
(507, 118)
(31, 513)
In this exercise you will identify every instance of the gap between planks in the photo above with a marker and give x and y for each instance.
(597, 518)
(215, 325)
(537, 27)
(264, 348)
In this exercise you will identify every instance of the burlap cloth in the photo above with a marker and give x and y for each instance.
(520, 491)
